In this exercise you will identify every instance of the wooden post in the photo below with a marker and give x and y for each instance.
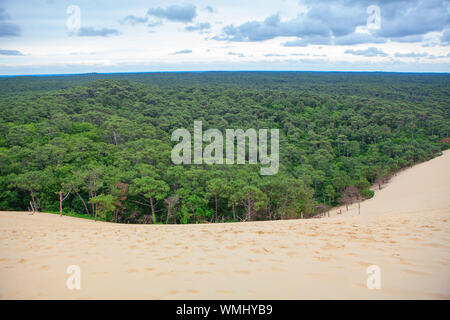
(60, 203)
(32, 207)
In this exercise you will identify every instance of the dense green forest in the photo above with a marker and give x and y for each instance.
(104, 141)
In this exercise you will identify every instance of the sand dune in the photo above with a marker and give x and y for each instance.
(404, 230)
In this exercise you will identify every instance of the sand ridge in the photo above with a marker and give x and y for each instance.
(404, 229)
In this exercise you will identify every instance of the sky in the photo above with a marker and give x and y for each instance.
(59, 36)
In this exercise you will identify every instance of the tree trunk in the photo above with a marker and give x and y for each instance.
(95, 205)
(169, 213)
(35, 206)
(215, 199)
(315, 188)
(234, 210)
(84, 203)
(92, 205)
(153, 210)
(249, 212)
(60, 203)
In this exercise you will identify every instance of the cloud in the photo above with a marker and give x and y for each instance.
(133, 20)
(4, 15)
(209, 9)
(413, 38)
(238, 54)
(304, 42)
(357, 38)
(410, 55)
(273, 27)
(186, 51)
(274, 55)
(154, 24)
(8, 29)
(369, 52)
(178, 13)
(10, 53)
(92, 32)
(445, 39)
(344, 22)
(347, 40)
(199, 27)
(417, 17)
(432, 56)
(399, 18)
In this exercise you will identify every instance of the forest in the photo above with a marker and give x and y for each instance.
(102, 142)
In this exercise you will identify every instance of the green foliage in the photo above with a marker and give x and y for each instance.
(105, 141)
(105, 203)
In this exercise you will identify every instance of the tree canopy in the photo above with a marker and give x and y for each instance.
(106, 139)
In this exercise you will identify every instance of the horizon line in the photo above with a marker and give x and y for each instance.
(207, 71)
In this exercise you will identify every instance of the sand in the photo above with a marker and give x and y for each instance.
(404, 230)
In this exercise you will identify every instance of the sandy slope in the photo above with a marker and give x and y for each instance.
(405, 230)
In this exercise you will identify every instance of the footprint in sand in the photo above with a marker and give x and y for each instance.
(202, 272)
(419, 273)
(435, 245)
(322, 258)
(192, 291)
(101, 272)
(316, 275)
(174, 292)
(364, 264)
(277, 269)
(224, 291)
(242, 271)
